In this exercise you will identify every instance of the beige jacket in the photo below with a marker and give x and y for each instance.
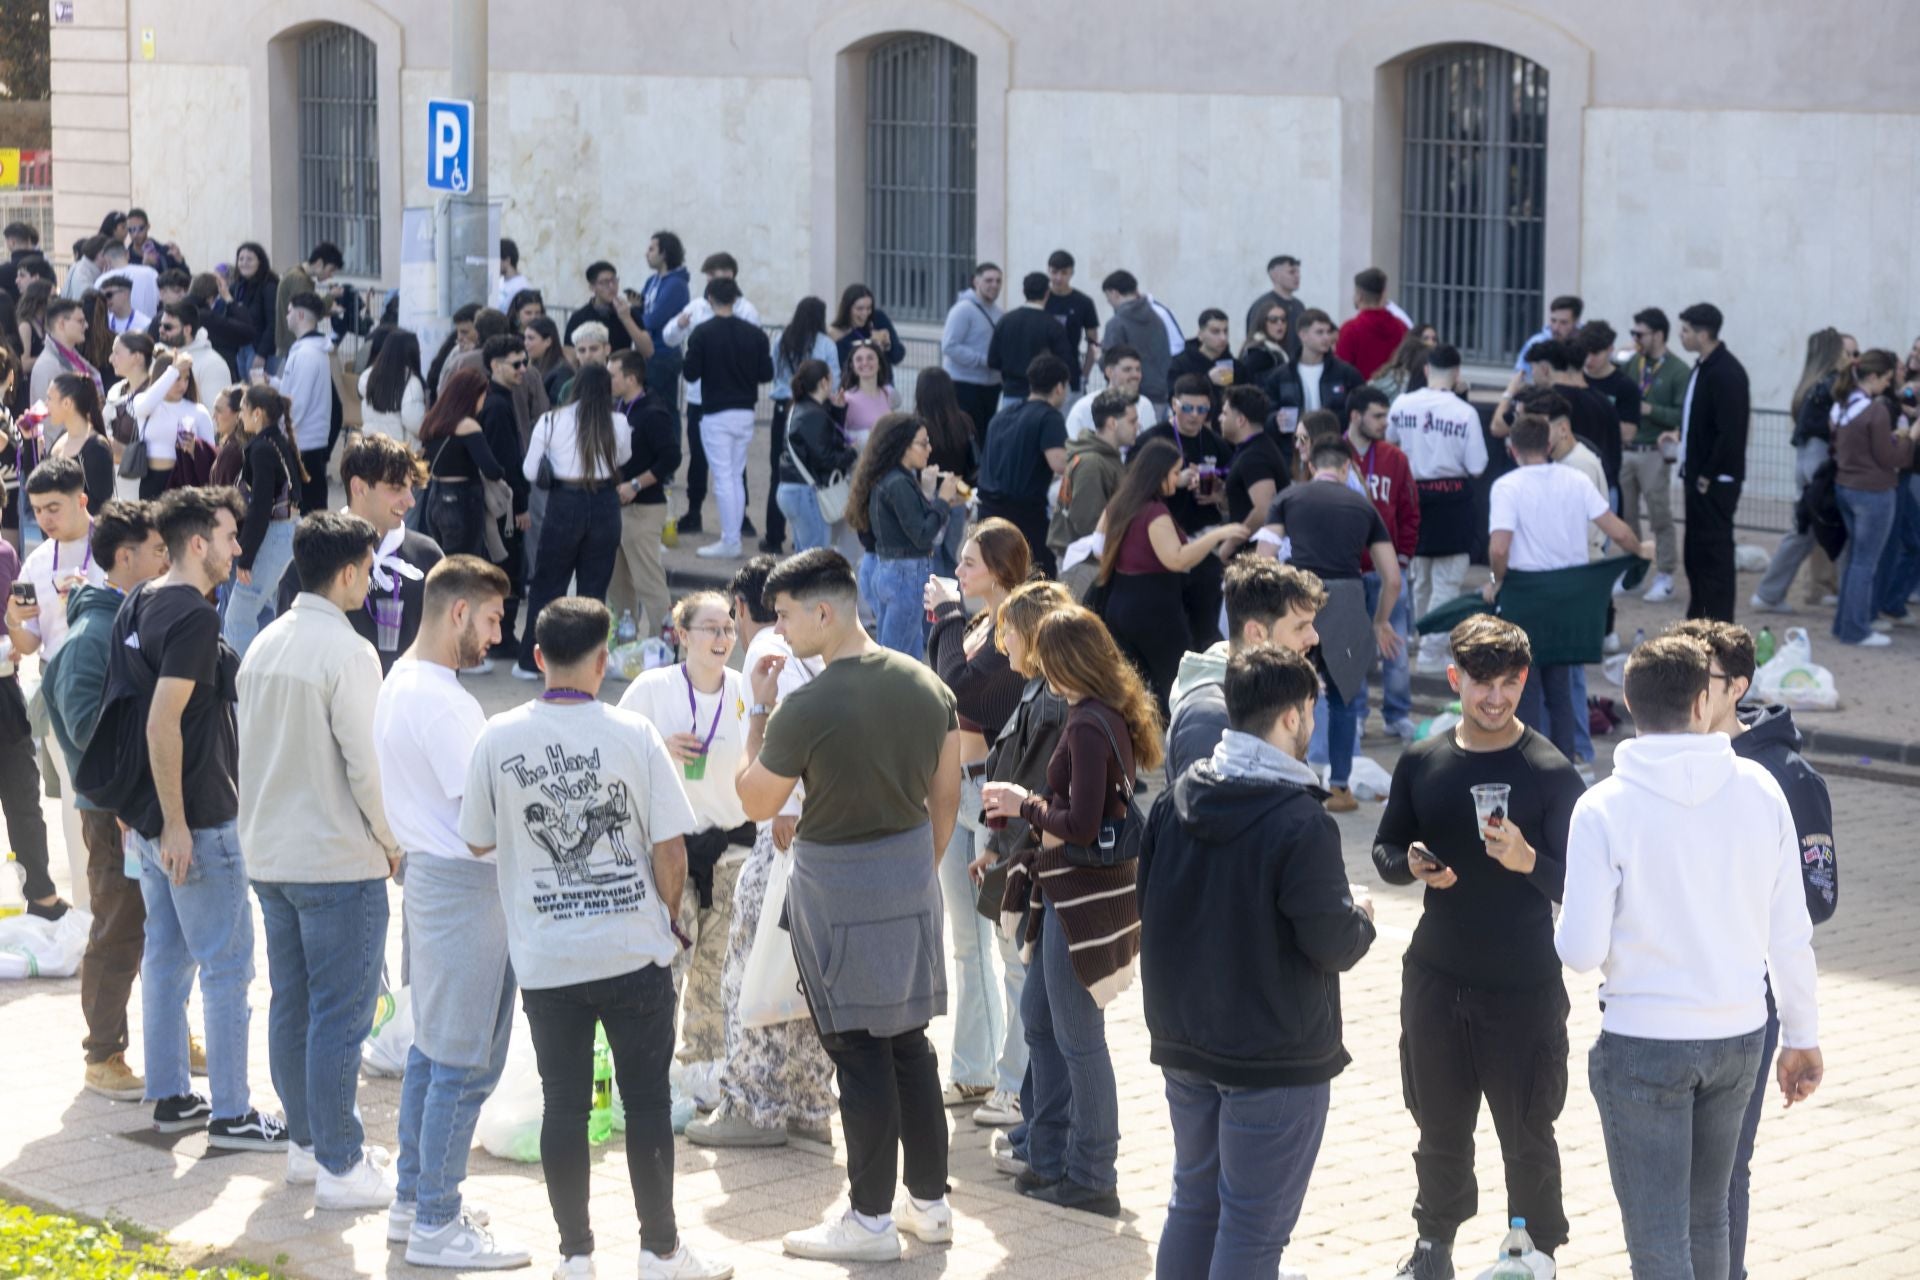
(310, 804)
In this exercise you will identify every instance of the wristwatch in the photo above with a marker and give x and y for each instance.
(759, 709)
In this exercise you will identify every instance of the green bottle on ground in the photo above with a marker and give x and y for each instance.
(600, 1119)
(1763, 646)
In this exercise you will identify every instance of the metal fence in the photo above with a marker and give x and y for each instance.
(1766, 500)
(35, 208)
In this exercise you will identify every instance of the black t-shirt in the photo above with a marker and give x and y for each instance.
(618, 339)
(1329, 525)
(403, 606)
(1188, 511)
(1073, 310)
(1494, 927)
(1013, 467)
(1595, 421)
(1254, 460)
(180, 635)
(1024, 334)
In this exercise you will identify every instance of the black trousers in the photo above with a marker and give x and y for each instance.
(889, 1100)
(313, 490)
(980, 400)
(637, 1011)
(1707, 553)
(20, 790)
(1457, 1045)
(1144, 613)
(776, 525)
(579, 539)
(1028, 518)
(1200, 592)
(696, 464)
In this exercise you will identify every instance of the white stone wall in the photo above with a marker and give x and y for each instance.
(1786, 221)
(590, 165)
(188, 127)
(1191, 192)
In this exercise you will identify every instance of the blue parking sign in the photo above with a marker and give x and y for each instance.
(449, 144)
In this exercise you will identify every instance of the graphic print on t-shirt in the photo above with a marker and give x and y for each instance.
(582, 825)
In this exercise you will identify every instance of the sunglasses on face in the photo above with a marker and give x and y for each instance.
(1191, 409)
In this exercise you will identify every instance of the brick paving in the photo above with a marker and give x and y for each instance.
(1835, 1180)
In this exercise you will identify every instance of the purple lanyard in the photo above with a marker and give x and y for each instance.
(693, 712)
(86, 560)
(1647, 369)
(566, 695)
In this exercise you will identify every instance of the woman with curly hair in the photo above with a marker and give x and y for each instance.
(899, 515)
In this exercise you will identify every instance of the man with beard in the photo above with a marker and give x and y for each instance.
(425, 726)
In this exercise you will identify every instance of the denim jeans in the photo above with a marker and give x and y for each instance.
(1241, 1160)
(1546, 705)
(979, 1023)
(1336, 730)
(1582, 725)
(250, 606)
(898, 597)
(325, 944)
(1869, 519)
(578, 541)
(1073, 1128)
(1737, 1189)
(1670, 1111)
(439, 1107)
(1396, 674)
(1795, 546)
(1899, 570)
(802, 510)
(206, 923)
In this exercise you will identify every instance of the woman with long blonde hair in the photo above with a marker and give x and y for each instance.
(1079, 921)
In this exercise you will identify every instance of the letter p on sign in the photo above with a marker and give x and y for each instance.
(449, 144)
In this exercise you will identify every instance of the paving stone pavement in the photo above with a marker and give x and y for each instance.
(1835, 1181)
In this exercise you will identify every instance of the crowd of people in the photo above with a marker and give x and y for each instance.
(1006, 608)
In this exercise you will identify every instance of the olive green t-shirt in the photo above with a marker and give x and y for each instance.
(865, 736)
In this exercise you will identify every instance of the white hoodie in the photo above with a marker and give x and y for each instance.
(1683, 889)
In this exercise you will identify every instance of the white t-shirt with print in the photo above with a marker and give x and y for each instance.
(425, 725)
(1547, 507)
(661, 696)
(54, 569)
(573, 796)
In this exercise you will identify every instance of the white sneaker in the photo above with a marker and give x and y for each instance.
(1875, 640)
(999, 1110)
(1882, 625)
(931, 1225)
(1761, 605)
(1829, 599)
(370, 1184)
(719, 551)
(578, 1267)
(682, 1264)
(1612, 643)
(464, 1245)
(525, 673)
(484, 667)
(1661, 590)
(843, 1239)
(402, 1214)
(1004, 1159)
(302, 1168)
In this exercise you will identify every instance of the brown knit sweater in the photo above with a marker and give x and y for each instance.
(1095, 905)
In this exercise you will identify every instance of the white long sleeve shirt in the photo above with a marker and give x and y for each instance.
(306, 379)
(557, 437)
(1683, 888)
(697, 313)
(211, 373)
(163, 421)
(1440, 434)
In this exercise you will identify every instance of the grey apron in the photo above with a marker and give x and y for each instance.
(1346, 636)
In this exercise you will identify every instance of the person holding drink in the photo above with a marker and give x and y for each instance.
(700, 709)
(1480, 815)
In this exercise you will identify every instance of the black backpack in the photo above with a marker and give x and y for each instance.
(114, 772)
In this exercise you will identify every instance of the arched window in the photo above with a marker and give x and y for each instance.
(340, 146)
(920, 174)
(1473, 197)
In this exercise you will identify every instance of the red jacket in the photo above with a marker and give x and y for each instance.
(1368, 340)
(1388, 478)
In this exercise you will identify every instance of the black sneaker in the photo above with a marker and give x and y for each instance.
(690, 523)
(1430, 1260)
(179, 1115)
(746, 528)
(1069, 1194)
(49, 911)
(771, 547)
(250, 1132)
(1029, 1182)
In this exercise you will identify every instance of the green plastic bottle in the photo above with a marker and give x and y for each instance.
(1763, 646)
(600, 1119)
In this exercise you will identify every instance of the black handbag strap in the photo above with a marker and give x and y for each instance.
(1126, 784)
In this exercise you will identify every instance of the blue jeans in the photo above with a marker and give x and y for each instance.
(1241, 1160)
(1670, 1111)
(799, 504)
(1396, 674)
(989, 1044)
(1737, 1190)
(205, 923)
(898, 598)
(1073, 1128)
(1546, 706)
(250, 606)
(439, 1107)
(1869, 520)
(325, 943)
(578, 541)
(1899, 570)
(1582, 726)
(1336, 728)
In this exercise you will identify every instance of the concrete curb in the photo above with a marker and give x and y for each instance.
(1434, 689)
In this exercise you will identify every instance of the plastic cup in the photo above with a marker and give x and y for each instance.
(694, 767)
(1490, 803)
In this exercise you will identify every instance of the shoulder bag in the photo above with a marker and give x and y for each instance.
(1119, 838)
(832, 496)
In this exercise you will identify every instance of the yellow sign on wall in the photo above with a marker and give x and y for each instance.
(9, 166)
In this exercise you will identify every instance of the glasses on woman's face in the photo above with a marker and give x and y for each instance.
(717, 630)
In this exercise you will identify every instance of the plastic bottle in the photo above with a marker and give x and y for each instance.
(1763, 646)
(1517, 1238)
(628, 630)
(1511, 1267)
(13, 888)
(1639, 636)
(600, 1119)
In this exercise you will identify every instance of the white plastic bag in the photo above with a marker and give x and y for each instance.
(1366, 778)
(386, 1048)
(1748, 558)
(509, 1125)
(1793, 678)
(770, 989)
(34, 948)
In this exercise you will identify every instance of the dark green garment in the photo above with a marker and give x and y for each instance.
(1667, 395)
(1563, 611)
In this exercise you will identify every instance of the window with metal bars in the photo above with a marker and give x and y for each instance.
(920, 175)
(1473, 198)
(340, 146)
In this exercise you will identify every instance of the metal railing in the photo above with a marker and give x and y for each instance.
(35, 208)
(1767, 498)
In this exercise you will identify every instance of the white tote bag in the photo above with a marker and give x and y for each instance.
(770, 989)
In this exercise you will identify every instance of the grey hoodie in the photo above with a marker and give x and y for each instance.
(1136, 324)
(963, 342)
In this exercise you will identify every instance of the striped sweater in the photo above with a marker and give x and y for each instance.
(1096, 906)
